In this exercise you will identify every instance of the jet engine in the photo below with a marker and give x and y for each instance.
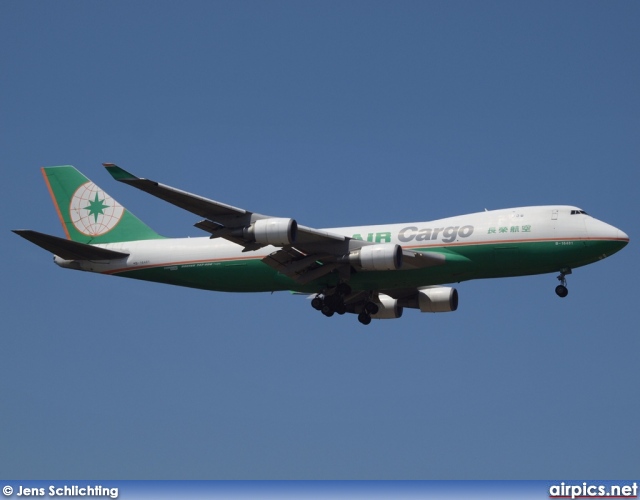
(438, 299)
(273, 231)
(382, 257)
(388, 308)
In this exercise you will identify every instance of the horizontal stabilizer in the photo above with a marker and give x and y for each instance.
(68, 249)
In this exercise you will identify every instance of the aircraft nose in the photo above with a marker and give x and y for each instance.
(623, 237)
(607, 238)
(618, 241)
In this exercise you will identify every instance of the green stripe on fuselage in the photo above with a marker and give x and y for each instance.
(474, 261)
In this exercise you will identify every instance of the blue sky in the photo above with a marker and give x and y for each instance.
(336, 114)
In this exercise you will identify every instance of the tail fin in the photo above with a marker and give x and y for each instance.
(87, 213)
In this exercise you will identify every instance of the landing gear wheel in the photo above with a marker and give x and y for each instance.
(364, 318)
(561, 289)
(327, 310)
(317, 303)
(341, 308)
(332, 301)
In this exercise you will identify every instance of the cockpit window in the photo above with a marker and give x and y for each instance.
(575, 212)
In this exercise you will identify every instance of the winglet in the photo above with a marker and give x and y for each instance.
(118, 173)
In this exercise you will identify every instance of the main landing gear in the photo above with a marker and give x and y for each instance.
(365, 316)
(561, 289)
(332, 301)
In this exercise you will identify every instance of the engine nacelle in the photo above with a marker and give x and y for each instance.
(383, 257)
(438, 299)
(388, 308)
(273, 231)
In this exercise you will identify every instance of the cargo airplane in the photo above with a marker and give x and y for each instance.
(371, 271)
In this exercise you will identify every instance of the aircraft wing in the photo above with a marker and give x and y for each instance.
(221, 218)
(310, 250)
(210, 209)
(305, 253)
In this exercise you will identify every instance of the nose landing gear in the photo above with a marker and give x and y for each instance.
(561, 289)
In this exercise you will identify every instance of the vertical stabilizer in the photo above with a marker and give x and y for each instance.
(87, 213)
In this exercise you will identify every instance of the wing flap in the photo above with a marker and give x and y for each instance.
(303, 268)
(419, 260)
(220, 231)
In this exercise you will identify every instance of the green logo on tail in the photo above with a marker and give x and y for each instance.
(88, 214)
(93, 212)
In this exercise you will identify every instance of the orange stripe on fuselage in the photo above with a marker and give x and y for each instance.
(181, 263)
(55, 203)
(498, 242)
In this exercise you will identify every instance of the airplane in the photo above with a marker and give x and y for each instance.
(372, 271)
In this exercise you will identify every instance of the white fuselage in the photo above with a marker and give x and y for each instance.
(564, 225)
